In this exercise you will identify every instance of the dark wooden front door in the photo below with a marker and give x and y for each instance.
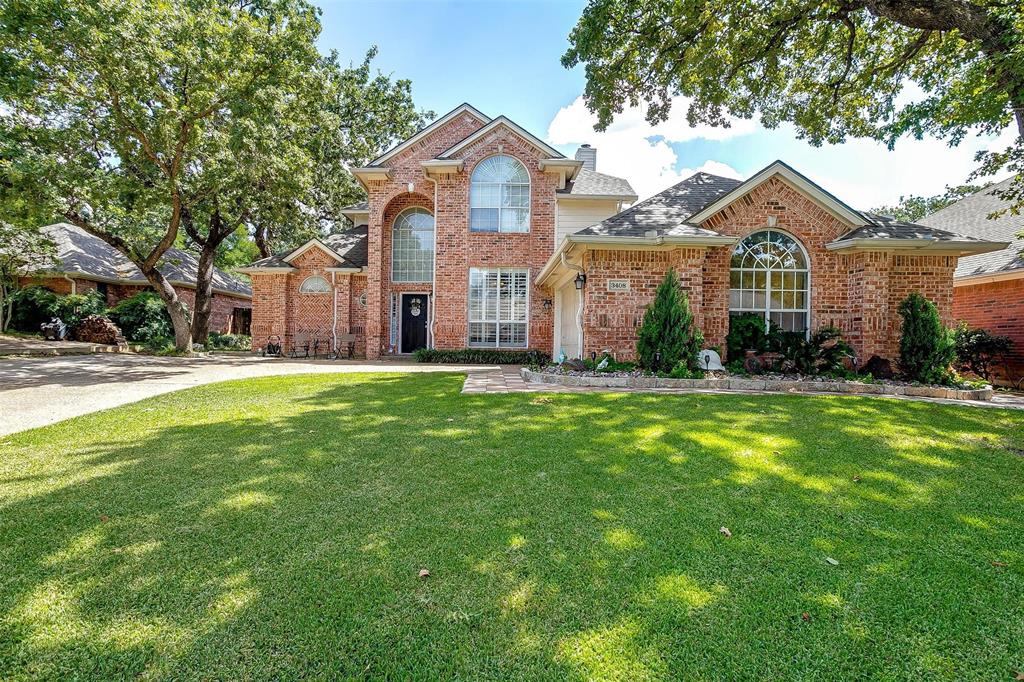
(414, 322)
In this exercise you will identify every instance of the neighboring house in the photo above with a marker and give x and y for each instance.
(988, 289)
(478, 234)
(84, 262)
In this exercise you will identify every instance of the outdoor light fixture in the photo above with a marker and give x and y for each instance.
(547, 304)
(580, 280)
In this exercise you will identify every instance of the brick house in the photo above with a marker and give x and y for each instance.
(478, 234)
(84, 262)
(988, 288)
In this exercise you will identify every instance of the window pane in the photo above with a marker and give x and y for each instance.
(483, 219)
(412, 246)
(770, 260)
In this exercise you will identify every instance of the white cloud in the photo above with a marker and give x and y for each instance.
(861, 172)
(641, 152)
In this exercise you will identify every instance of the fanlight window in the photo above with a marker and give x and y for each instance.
(499, 196)
(769, 275)
(412, 246)
(314, 285)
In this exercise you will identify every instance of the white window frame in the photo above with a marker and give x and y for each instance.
(767, 310)
(498, 321)
(302, 285)
(499, 208)
(433, 252)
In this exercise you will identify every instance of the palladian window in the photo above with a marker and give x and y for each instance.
(499, 196)
(412, 246)
(769, 275)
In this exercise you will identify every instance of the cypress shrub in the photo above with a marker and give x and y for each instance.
(926, 348)
(668, 336)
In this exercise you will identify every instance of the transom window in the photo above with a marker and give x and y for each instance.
(498, 305)
(499, 196)
(769, 275)
(314, 284)
(412, 246)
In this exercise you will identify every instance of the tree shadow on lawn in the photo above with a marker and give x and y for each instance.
(275, 528)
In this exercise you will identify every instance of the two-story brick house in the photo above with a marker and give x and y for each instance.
(478, 234)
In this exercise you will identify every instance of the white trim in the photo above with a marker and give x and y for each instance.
(369, 174)
(315, 293)
(512, 126)
(987, 278)
(567, 169)
(267, 270)
(933, 246)
(391, 259)
(462, 108)
(497, 332)
(807, 187)
(767, 311)
(314, 242)
(442, 166)
(529, 195)
(350, 271)
(596, 197)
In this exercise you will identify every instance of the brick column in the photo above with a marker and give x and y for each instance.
(376, 311)
(869, 292)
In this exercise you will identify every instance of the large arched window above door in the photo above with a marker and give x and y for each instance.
(412, 246)
(769, 274)
(499, 196)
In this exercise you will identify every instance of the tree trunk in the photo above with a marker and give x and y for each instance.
(204, 293)
(262, 239)
(176, 308)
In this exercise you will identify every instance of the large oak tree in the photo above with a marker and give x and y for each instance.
(834, 69)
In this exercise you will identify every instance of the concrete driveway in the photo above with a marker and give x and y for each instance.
(39, 391)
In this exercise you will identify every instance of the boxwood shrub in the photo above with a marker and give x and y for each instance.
(482, 356)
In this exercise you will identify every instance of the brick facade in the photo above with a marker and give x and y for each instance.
(222, 310)
(998, 307)
(857, 292)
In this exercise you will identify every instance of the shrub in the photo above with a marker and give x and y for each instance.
(229, 341)
(747, 332)
(668, 335)
(482, 356)
(613, 365)
(682, 371)
(978, 351)
(35, 305)
(823, 353)
(143, 318)
(926, 349)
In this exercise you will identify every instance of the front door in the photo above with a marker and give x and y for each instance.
(414, 322)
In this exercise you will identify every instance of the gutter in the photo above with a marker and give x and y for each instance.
(960, 248)
(990, 278)
(74, 286)
(431, 300)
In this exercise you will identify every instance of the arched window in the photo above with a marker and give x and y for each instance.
(769, 275)
(499, 196)
(412, 246)
(314, 284)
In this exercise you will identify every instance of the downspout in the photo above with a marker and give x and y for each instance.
(579, 307)
(334, 314)
(433, 273)
(74, 287)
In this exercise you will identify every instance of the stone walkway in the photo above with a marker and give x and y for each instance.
(506, 379)
(16, 345)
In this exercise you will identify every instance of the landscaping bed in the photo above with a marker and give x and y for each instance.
(724, 381)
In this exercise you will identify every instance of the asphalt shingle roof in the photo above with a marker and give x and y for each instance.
(352, 245)
(969, 216)
(666, 212)
(361, 206)
(887, 227)
(79, 252)
(592, 183)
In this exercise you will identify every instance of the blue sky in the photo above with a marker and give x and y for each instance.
(503, 58)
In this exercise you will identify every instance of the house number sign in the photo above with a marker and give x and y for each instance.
(618, 285)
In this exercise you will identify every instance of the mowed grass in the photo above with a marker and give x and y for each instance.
(275, 528)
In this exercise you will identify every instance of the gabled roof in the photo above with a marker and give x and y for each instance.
(811, 189)
(667, 212)
(511, 125)
(969, 216)
(423, 132)
(588, 183)
(83, 255)
(349, 249)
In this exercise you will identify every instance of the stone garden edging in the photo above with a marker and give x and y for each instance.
(776, 385)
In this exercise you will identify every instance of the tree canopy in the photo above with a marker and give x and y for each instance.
(912, 208)
(833, 69)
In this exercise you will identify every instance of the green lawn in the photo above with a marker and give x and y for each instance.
(275, 528)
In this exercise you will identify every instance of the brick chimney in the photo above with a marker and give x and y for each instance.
(588, 155)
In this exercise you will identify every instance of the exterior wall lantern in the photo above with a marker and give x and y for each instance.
(580, 280)
(547, 304)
